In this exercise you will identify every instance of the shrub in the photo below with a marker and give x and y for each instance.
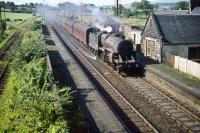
(31, 102)
(2, 26)
(36, 25)
(7, 19)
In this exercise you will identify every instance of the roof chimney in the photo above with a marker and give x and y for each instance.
(193, 4)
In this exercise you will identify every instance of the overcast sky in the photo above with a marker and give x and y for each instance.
(97, 2)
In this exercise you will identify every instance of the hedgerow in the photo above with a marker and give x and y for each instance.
(31, 102)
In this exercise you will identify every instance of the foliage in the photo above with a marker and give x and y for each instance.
(36, 25)
(137, 9)
(2, 27)
(9, 5)
(183, 5)
(145, 6)
(14, 20)
(31, 102)
(120, 10)
(7, 19)
(23, 8)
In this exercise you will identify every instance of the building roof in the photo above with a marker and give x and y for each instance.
(175, 12)
(196, 11)
(176, 29)
(194, 3)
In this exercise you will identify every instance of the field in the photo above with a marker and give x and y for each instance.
(14, 22)
(134, 21)
(15, 17)
(124, 21)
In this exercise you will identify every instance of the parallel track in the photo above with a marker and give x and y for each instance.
(8, 44)
(177, 118)
(16, 37)
(127, 114)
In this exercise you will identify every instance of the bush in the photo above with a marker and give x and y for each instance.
(2, 26)
(8, 19)
(36, 25)
(11, 27)
(31, 102)
(19, 19)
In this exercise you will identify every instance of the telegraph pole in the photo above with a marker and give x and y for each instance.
(43, 9)
(1, 16)
(5, 12)
(81, 12)
(117, 7)
(64, 11)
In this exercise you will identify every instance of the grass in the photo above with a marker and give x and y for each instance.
(1, 64)
(125, 21)
(134, 21)
(178, 75)
(13, 25)
(16, 16)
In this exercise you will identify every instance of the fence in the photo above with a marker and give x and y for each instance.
(184, 65)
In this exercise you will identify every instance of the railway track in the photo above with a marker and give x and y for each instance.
(4, 57)
(161, 111)
(184, 117)
(128, 115)
(8, 44)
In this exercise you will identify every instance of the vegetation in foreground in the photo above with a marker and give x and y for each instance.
(31, 102)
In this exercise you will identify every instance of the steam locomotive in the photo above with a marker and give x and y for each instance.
(111, 48)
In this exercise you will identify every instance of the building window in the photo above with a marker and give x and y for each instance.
(194, 53)
(151, 48)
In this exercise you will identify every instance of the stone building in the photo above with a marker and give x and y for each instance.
(177, 34)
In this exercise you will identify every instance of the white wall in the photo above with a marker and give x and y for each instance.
(138, 36)
(186, 66)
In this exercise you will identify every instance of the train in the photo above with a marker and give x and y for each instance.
(112, 48)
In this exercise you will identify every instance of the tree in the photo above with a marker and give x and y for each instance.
(142, 8)
(183, 5)
(146, 7)
(114, 9)
(135, 5)
(11, 6)
(2, 4)
(121, 10)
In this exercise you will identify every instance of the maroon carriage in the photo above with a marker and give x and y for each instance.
(69, 25)
(81, 32)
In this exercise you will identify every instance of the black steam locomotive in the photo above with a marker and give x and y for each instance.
(111, 48)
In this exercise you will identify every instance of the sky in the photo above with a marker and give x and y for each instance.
(96, 2)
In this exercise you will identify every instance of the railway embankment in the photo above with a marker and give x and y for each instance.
(29, 102)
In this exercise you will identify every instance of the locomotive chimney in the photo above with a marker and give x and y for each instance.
(193, 4)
